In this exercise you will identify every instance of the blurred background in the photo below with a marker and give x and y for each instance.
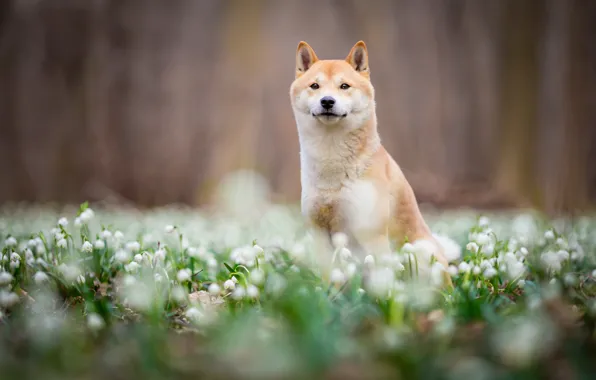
(488, 104)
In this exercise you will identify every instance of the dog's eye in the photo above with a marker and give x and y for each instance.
(314, 86)
(344, 86)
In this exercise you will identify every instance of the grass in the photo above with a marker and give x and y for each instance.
(178, 293)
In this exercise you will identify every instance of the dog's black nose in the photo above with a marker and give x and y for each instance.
(327, 102)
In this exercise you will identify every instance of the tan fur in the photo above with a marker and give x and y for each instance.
(349, 181)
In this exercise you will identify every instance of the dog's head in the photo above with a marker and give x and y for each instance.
(332, 92)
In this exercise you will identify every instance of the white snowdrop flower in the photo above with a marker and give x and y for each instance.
(160, 254)
(488, 250)
(183, 275)
(351, 270)
(133, 246)
(32, 243)
(129, 280)
(339, 240)
(40, 277)
(503, 268)
(476, 270)
(122, 256)
(424, 250)
(41, 262)
(179, 294)
(138, 258)
(408, 248)
(515, 270)
(563, 255)
(118, 235)
(132, 267)
(87, 247)
(193, 252)
(464, 267)
(259, 251)
(553, 281)
(452, 270)
(63, 222)
(234, 279)
(5, 278)
(81, 279)
(485, 264)
(59, 236)
(62, 243)
(194, 314)
(95, 322)
(490, 273)
(212, 263)
(437, 271)
(570, 279)
(379, 282)
(10, 241)
(257, 277)
(549, 235)
(483, 239)
(523, 251)
(106, 234)
(238, 293)
(369, 260)
(29, 255)
(252, 291)
(8, 299)
(561, 243)
(86, 215)
(521, 283)
(169, 229)
(229, 285)
(214, 289)
(243, 256)
(361, 291)
(345, 254)
(99, 244)
(15, 265)
(78, 221)
(510, 257)
(275, 284)
(337, 276)
(483, 221)
(551, 261)
(15, 256)
(472, 247)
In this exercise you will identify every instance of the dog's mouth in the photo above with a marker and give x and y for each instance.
(330, 115)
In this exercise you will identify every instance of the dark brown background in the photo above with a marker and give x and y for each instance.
(483, 103)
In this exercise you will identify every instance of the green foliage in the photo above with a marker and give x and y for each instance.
(204, 299)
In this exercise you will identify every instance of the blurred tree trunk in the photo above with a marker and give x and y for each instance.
(522, 26)
(238, 92)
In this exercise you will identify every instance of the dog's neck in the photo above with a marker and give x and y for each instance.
(330, 155)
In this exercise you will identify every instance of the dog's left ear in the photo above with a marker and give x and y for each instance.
(358, 58)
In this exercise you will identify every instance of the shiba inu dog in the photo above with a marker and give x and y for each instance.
(350, 184)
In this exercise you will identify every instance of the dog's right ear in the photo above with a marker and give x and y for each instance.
(305, 58)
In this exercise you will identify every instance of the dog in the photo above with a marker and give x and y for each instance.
(350, 183)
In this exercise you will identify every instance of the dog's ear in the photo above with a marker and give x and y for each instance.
(305, 58)
(358, 58)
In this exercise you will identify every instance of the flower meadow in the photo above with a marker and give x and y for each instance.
(91, 293)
